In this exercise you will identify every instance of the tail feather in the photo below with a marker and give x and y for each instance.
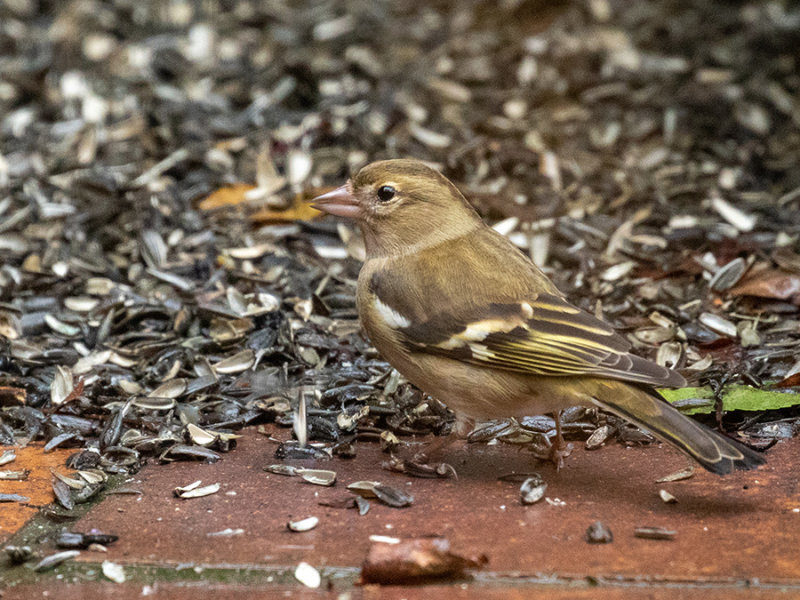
(715, 452)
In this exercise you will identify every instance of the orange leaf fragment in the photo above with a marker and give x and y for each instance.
(415, 560)
(226, 196)
(300, 210)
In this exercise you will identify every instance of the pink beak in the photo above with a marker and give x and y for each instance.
(339, 202)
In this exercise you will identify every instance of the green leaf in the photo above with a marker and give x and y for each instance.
(735, 397)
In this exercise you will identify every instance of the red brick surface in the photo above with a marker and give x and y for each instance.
(734, 528)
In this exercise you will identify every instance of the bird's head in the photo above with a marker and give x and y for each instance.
(401, 205)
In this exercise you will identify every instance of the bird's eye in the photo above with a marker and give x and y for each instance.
(386, 193)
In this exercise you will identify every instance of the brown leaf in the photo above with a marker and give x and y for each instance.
(236, 194)
(766, 282)
(415, 560)
(791, 381)
(227, 196)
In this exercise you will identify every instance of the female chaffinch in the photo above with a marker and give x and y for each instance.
(470, 320)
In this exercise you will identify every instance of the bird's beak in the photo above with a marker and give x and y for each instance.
(340, 202)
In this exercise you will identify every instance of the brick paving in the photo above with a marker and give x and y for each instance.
(732, 532)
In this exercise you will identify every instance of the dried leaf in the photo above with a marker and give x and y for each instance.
(226, 196)
(414, 560)
(765, 282)
(298, 211)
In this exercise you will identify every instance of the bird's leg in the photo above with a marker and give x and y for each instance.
(560, 449)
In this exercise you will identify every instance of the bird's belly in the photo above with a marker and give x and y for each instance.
(482, 393)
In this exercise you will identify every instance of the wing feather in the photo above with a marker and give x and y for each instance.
(547, 336)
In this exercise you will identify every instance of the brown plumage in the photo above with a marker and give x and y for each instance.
(469, 319)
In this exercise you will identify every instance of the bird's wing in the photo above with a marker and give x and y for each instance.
(544, 336)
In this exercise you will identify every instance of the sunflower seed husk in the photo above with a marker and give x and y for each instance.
(363, 505)
(728, 276)
(598, 437)
(287, 470)
(300, 421)
(532, 490)
(151, 403)
(654, 533)
(199, 436)
(18, 554)
(194, 491)
(599, 533)
(62, 385)
(392, 496)
(718, 324)
(63, 494)
(13, 498)
(236, 363)
(113, 571)
(307, 575)
(365, 489)
(317, 476)
(302, 525)
(61, 327)
(14, 475)
(52, 561)
(173, 388)
(733, 215)
(666, 497)
(228, 532)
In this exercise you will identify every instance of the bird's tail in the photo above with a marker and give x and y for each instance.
(647, 409)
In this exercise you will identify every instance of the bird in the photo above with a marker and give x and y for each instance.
(469, 319)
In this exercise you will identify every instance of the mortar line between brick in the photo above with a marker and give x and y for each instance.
(478, 578)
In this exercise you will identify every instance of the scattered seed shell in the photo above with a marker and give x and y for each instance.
(279, 469)
(62, 385)
(52, 561)
(195, 491)
(113, 571)
(598, 437)
(365, 489)
(532, 490)
(306, 524)
(654, 533)
(718, 324)
(317, 476)
(391, 496)
(13, 498)
(666, 497)
(237, 363)
(599, 533)
(307, 575)
(173, 388)
(200, 436)
(728, 276)
(154, 403)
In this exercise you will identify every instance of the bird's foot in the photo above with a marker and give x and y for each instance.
(559, 451)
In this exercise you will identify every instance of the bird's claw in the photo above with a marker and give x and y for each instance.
(558, 452)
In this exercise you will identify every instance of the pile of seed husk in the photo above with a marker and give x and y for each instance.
(644, 154)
